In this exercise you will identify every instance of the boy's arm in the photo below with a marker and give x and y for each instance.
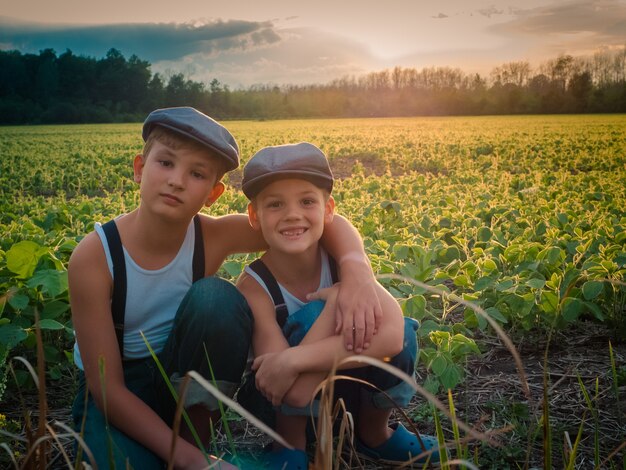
(358, 304)
(90, 287)
(321, 350)
(359, 311)
(231, 234)
(267, 336)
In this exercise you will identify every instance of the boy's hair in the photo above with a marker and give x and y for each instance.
(186, 126)
(302, 161)
(177, 141)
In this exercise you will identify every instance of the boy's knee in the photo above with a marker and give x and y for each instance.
(217, 302)
(408, 355)
(296, 399)
(215, 291)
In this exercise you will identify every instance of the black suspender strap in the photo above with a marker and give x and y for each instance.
(259, 267)
(118, 299)
(198, 250)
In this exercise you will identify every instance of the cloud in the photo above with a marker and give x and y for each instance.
(150, 41)
(237, 53)
(598, 22)
(303, 56)
(490, 11)
(440, 16)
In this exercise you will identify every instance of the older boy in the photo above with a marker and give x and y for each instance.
(132, 278)
(294, 341)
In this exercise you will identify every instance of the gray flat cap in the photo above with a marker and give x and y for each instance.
(198, 126)
(301, 160)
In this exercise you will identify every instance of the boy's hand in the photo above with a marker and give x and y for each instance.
(356, 304)
(274, 376)
(358, 310)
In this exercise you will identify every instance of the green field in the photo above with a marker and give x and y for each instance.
(523, 215)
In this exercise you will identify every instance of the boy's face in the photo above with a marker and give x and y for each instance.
(177, 183)
(291, 214)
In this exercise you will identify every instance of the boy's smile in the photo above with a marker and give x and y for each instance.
(291, 213)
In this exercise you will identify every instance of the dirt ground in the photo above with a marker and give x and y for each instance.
(493, 397)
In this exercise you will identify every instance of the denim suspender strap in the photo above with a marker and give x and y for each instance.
(259, 267)
(198, 250)
(118, 299)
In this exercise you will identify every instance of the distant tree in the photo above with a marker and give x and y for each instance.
(513, 73)
(111, 72)
(14, 77)
(47, 77)
(580, 88)
(77, 77)
(137, 74)
(45, 87)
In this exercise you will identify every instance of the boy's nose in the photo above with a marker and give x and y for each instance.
(176, 180)
(293, 213)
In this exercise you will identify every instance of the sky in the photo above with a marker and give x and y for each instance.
(244, 43)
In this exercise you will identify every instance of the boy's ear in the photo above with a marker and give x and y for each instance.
(253, 217)
(218, 189)
(329, 210)
(138, 164)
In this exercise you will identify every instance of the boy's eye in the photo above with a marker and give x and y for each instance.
(274, 204)
(195, 174)
(308, 202)
(165, 163)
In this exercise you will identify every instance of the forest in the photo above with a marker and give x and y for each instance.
(48, 88)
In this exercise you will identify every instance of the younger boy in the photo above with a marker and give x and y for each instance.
(132, 279)
(294, 340)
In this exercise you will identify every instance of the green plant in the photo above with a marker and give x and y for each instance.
(445, 358)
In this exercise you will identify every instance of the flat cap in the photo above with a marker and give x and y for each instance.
(303, 160)
(198, 126)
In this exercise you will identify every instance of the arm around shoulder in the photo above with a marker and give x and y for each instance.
(323, 354)
(320, 356)
(232, 234)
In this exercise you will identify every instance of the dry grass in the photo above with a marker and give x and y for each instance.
(490, 398)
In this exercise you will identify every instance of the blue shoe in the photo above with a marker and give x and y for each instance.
(402, 446)
(285, 459)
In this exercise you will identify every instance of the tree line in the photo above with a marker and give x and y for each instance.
(66, 88)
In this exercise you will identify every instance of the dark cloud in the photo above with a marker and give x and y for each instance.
(490, 11)
(440, 16)
(303, 56)
(150, 41)
(602, 21)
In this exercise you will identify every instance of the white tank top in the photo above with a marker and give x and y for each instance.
(152, 298)
(292, 303)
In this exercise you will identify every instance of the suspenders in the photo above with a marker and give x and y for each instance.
(118, 299)
(259, 267)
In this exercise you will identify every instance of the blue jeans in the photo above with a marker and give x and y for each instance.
(213, 321)
(394, 390)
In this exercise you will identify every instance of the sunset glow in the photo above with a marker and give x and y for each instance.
(291, 42)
